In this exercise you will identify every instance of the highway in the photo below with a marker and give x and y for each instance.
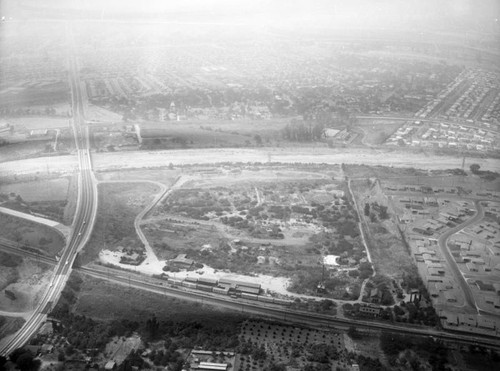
(82, 223)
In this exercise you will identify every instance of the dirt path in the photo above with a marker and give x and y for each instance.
(151, 258)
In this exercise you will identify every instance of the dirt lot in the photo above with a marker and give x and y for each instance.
(31, 234)
(119, 204)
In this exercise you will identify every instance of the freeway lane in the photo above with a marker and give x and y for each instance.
(82, 223)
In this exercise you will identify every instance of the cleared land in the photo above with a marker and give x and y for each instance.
(22, 282)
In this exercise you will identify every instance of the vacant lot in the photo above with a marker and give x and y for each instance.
(119, 204)
(31, 235)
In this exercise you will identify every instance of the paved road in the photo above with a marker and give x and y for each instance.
(61, 228)
(443, 245)
(82, 223)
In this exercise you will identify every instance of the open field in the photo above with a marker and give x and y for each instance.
(119, 204)
(102, 300)
(176, 136)
(9, 325)
(24, 150)
(42, 190)
(38, 122)
(375, 132)
(31, 234)
(96, 113)
(164, 176)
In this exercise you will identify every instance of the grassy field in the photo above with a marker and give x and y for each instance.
(103, 300)
(9, 325)
(119, 204)
(41, 190)
(164, 176)
(382, 172)
(31, 234)
(375, 132)
(19, 151)
(47, 197)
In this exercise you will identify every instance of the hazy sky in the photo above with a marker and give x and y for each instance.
(340, 13)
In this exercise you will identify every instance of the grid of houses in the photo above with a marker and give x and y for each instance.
(482, 137)
(472, 96)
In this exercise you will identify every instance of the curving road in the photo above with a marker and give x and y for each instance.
(443, 245)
